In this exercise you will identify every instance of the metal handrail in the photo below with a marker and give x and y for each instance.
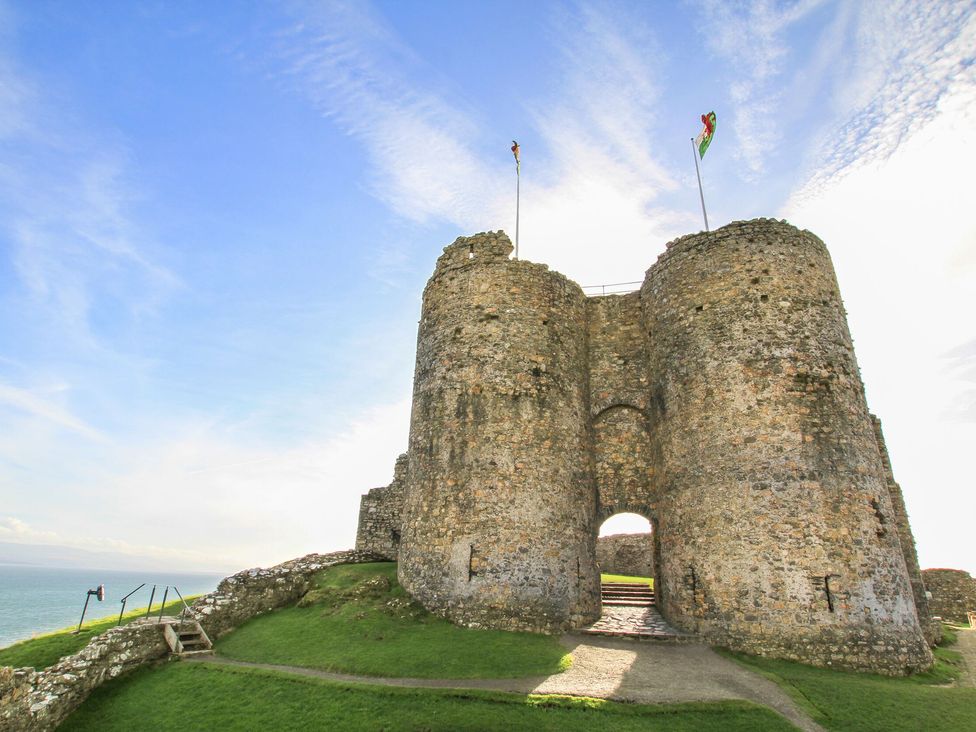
(186, 608)
(631, 287)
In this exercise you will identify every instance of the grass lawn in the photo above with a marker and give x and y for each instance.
(196, 696)
(359, 620)
(45, 650)
(854, 702)
(627, 578)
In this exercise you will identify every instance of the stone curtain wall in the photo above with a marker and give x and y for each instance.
(499, 511)
(722, 402)
(953, 594)
(776, 527)
(627, 554)
(380, 521)
(242, 596)
(37, 701)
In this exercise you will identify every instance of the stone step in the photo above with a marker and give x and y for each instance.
(628, 603)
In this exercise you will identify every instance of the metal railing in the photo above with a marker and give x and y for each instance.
(615, 288)
(186, 608)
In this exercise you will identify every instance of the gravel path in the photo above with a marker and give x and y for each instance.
(618, 669)
(967, 647)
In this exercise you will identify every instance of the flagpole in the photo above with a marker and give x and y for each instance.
(518, 194)
(700, 193)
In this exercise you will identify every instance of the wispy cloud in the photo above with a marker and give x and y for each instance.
(355, 70)
(601, 176)
(33, 405)
(905, 57)
(64, 199)
(750, 39)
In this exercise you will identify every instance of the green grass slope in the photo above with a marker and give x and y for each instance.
(45, 650)
(853, 702)
(196, 696)
(359, 620)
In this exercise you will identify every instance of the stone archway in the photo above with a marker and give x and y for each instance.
(625, 546)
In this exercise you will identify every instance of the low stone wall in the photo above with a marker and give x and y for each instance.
(629, 554)
(953, 594)
(37, 701)
(242, 596)
(41, 700)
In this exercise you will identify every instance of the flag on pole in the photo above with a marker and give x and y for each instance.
(704, 138)
(515, 152)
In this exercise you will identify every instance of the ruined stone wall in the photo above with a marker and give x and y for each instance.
(380, 516)
(622, 444)
(627, 554)
(499, 509)
(953, 594)
(37, 701)
(775, 519)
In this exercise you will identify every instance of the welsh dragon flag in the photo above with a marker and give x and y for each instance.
(704, 138)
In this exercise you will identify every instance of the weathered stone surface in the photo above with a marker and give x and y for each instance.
(379, 516)
(627, 554)
(37, 701)
(499, 509)
(953, 594)
(722, 402)
(41, 700)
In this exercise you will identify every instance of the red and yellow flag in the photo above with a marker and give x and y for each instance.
(515, 152)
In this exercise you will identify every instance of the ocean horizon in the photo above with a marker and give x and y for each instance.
(37, 600)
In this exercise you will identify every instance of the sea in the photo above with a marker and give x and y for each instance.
(37, 600)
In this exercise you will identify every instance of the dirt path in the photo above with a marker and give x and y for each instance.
(967, 647)
(621, 670)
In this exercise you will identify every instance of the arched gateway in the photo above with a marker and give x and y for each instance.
(722, 400)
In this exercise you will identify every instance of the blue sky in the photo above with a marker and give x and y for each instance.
(216, 221)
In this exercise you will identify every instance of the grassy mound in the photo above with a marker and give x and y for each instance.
(198, 696)
(627, 578)
(46, 650)
(357, 619)
(855, 702)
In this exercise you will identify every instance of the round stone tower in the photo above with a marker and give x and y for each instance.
(499, 506)
(777, 531)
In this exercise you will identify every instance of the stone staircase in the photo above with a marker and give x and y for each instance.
(626, 594)
(186, 637)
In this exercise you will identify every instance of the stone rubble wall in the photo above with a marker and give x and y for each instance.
(38, 701)
(627, 554)
(953, 594)
(380, 520)
(499, 511)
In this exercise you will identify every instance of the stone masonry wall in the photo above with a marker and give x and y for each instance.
(38, 701)
(499, 510)
(953, 594)
(775, 519)
(622, 440)
(627, 554)
(380, 516)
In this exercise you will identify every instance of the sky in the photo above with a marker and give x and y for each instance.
(217, 219)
